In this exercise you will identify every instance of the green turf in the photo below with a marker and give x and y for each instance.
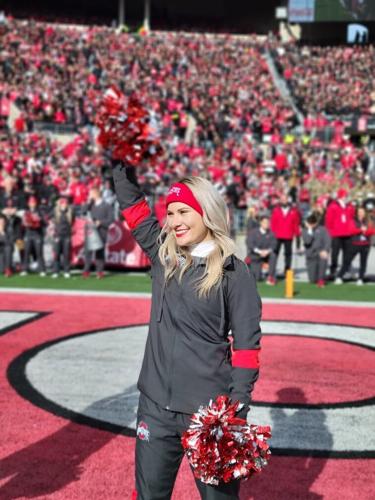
(131, 282)
(112, 282)
(347, 291)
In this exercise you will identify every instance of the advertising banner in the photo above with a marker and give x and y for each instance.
(121, 250)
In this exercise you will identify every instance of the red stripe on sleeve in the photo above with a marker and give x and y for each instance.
(247, 358)
(136, 214)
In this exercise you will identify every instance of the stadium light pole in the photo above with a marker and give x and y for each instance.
(121, 13)
(147, 14)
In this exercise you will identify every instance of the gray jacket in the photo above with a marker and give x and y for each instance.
(187, 359)
(316, 241)
(256, 240)
(103, 213)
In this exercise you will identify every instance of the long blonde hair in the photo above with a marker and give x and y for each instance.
(215, 218)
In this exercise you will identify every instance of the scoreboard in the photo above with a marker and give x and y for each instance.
(310, 11)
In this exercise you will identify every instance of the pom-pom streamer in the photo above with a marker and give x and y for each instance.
(124, 128)
(223, 447)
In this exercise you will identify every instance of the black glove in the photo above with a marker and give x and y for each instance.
(243, 412)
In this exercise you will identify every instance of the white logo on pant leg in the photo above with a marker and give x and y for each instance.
(143, 432)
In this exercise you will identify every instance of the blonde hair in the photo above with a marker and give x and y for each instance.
(215, 218)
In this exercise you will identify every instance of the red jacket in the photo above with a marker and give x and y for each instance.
(285, 226)
(339, 219)
(79, 192)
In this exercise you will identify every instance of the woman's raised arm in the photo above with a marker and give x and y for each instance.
(135, 210)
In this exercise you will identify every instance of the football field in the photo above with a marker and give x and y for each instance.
(68, 397)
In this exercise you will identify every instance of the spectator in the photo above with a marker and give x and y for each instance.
(331, 80)
(339, 221)
(284, 225)
(317, 244)
(261, 245)
(212, 101)
(78, 191)
(33, 223)
(100, 215)
(10, 195)
(63, 219)
(5, 248)
(13, 228)
(252, 220)
(360, 243)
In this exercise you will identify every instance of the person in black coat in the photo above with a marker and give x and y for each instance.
(261, 244)
(63, 220)
(13, 230)
(360, 243)
(317, 246)
(99, 218)
(34, 229)
(200, 291)
(6, 248)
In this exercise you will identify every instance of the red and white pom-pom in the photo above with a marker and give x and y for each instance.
(124, 128)
(223, 447)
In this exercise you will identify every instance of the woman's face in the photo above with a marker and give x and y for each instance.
(186, 224)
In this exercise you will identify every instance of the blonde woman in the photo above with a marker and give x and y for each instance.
(200, 291)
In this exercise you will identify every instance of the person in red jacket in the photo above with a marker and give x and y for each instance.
(79, 192)
(360, 243)
(285, 226)
(339, 221)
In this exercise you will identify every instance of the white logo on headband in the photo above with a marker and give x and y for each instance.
(175, 190)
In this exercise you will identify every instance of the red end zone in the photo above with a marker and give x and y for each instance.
(45, 456)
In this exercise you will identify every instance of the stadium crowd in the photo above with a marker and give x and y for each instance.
(218, 114)
(330, 80)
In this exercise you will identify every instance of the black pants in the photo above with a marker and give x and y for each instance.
(158, 455)
(287, 251)
(363, 251)
(339, 243)
(61, 250)
(98, 257)
(6, 252)
(34, 242)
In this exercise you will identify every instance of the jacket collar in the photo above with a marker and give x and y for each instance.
(228, 263)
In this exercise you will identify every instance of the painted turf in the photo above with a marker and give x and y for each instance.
(92, 358)
(46, 456)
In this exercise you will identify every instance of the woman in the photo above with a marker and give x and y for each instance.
(200, 291)
(63, 223)
(360, 243)
(34, 240)
(5, 248)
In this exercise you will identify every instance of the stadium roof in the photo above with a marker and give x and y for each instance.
(220, 15)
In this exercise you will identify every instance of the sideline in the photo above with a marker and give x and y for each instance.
(141, 295)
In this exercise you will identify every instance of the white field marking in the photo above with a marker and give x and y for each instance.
(74, 293)
(135, 295)
(10, 318)
(107, 364)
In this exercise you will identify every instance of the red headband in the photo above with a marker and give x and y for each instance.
(181, 193)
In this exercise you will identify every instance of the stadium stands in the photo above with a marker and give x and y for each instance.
(213, 99)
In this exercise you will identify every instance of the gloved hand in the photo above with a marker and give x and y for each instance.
(243, 412)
